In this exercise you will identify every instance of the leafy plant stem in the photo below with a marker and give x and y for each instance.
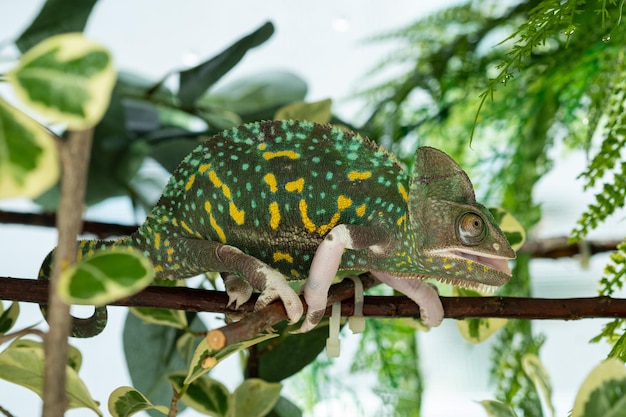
(74, 154)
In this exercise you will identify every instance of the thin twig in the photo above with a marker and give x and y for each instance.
(74, 153)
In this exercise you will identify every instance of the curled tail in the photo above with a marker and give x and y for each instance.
(81, 328)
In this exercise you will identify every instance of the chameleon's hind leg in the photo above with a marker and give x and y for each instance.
(326, 263)
(205, 255)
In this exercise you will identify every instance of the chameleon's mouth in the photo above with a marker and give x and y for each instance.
(498, 263)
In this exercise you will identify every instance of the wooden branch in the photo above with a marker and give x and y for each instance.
(189, 299)
(74, 154)
(555, 247)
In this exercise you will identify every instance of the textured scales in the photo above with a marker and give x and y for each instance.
(275, 201)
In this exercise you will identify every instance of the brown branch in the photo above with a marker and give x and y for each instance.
(190, 299)
(74, 154)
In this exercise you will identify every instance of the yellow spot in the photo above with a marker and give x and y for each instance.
(401, 220)
(322, 230)
(282, 256)
(287, 154)
(214, 179)
(158, 268)
(165, 218)
(170, 251)
(295, 273)
(360, 211)
(429, 259)
(270, 180)
(192, 178)
(157, 240)
(262, 146)
(308, 224)
(237, 215)
(447, 266)
(274, 216)
(175, 222)
(357, 175)
(204, 168)
(187, 228)
(402, 192)
(343, 202)
(166, 243)
(214, 225)
(295, 186)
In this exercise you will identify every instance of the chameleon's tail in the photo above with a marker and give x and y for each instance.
(82, 328)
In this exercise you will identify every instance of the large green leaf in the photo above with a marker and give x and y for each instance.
(255, 398)
(256, 96)
(22, 363)
(56, 17)
(28, 155)
(67, 78)
(152, 353)
(106, 276)
(127, 401)
(195, 81)
(603, 393)
(276, 358)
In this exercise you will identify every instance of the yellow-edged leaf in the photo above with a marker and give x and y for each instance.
(29, 162)
(67, 78)
(22, 363)
(127, 401)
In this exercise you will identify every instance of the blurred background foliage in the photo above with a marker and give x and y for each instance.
(512, 80)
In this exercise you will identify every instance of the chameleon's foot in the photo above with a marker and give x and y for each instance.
(424, 295)
(238, 289)
(276, 287)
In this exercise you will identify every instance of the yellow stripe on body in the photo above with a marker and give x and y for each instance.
(213, 223)
(288, 154)
(295, 186)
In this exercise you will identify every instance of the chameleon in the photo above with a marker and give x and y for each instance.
(270, 202)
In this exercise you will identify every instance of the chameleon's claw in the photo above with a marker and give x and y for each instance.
(277, 287)
(311, 320)
(238, 289)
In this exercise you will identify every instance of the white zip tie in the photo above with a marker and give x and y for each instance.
(333, 344)
(357, 321)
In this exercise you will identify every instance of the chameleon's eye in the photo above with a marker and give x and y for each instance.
(471, 229)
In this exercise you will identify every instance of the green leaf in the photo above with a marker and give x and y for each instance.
(22, 363)
(161, 316)
(251, 97)
(54, 19)
(285, 408)
(195, 81)
(255, 398)
(29, 163)
(205, 395)
(276, 359)
(9, 317)
(603, 393)
(106, 276)
(204, 358)
(67, 78)
(318, 112)
(152, 353)
(539, 375)
(497, 409)
(127, 401)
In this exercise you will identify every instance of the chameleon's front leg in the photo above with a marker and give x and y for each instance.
(206, 255)
(326, 261)
(424, 295)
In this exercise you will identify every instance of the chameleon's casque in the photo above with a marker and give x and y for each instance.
(274, 201)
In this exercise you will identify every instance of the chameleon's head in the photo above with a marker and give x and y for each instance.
(464, 245)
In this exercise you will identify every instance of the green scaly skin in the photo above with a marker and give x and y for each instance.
(274, 201)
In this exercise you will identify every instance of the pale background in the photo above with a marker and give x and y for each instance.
(323, 42)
